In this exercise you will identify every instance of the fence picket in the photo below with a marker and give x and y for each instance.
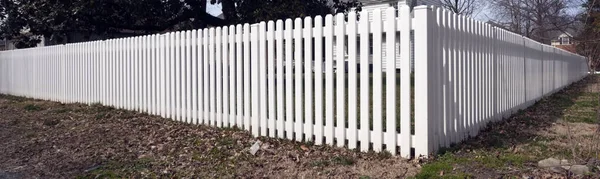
(377, 134)
(340, 71)
(254, 82)
(289, 115)
(247, 114)
(218, 77)
(318, 70)
(308, 79)
(212, 77)
(136, 71)
(352, 87)
(232, 82)
(262, 77)
(195, 46)
(365, 129)
(225, 76)
(188, 77)
(329, 115)
(271, 78)
(160, 67)
(205, 77)
(390, 31)
(238, 80)
(280, 80)
(298, 108)
(405, 84)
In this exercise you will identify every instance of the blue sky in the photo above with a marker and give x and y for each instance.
(213, 9)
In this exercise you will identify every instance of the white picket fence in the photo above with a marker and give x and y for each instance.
(473, 73)
(268, 78)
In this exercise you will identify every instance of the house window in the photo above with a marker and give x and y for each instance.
(370, 44)
(565, 41)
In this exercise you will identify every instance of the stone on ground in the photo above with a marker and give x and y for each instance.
(578, 169)
(549, 162)
(255, 148)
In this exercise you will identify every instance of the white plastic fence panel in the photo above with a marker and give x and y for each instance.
(311, 78)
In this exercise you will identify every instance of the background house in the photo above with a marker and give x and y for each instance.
(565, 41)
(3, 45)
(369, 6)
(9, 45)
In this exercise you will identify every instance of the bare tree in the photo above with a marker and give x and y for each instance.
(462, 7)
(588, 41)
(537, 19)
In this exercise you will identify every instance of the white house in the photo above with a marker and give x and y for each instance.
(10, 45)
(370, 5)
(563, 39)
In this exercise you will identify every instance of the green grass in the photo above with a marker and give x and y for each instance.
(100, 115)
(32, 107)
(337, 160)
(583, 109)
(61, 110)
(320, 163)
(117, 169)
(494, 161)
(343, 160)
(443, 165)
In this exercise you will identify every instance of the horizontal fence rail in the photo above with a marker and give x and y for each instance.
(321, 79)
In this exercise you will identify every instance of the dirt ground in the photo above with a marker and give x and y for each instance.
(41, 139)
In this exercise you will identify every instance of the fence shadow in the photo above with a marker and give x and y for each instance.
(522, 127)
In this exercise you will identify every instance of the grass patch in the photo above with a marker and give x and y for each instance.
(384, 155)
(583, 108)
(337, 160)
(100, 115)
(320, 163)
(32, 107)
(499, 161)
(115, 169)
(100, 108)
(61, 110)
(51, 122)
(444, 165)
(13, 98)
(96, 104)
(343, 160)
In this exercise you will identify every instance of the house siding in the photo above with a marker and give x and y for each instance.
(369, 6)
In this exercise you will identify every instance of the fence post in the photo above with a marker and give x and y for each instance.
(405, 71)
(423, 63)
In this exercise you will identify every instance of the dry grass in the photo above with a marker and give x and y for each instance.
(41, 139)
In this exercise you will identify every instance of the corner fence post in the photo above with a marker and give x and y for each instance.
(424, 19)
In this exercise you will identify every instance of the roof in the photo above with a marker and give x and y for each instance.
(427, 2)
(555, 34)
(414, 2)
(371, 2)
(570, 48)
